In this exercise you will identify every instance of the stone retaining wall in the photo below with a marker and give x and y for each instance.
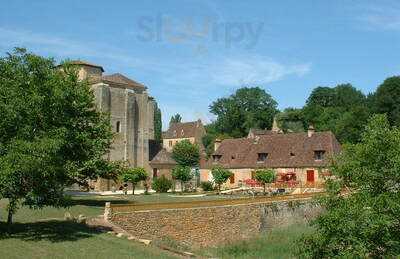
(209, 226)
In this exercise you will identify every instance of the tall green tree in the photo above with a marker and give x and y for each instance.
(361, 216)
(51, 134)
(176, 118)
(183, 174)
(134, 176)
(157, 124)
(248, 107)
(186, 153)
(387, 99)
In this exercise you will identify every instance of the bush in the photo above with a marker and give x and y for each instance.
(161, 184)
(207, 186)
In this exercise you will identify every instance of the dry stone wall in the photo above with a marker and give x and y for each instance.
(210, 226)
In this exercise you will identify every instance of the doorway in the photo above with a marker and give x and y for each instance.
(310, 176)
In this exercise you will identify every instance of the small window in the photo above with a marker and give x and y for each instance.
(292, 154)
(174, 133)
(170, 143)
(217, 158)
(232, 157)
(182, 133)
(319, 154)
(232, 178)
(262, 157)
(118, 127)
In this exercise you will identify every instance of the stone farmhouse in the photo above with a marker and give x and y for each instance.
(303, 157)
(163, 162)
(131, 112)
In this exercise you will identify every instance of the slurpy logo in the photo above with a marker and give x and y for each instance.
(165, 28)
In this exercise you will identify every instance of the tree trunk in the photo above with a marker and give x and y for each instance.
(182, 187)
(264, 189)
(219, 189)
(133, 189)
(11, 209)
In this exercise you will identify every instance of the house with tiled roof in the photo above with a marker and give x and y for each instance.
(193, 131)
(305, 155)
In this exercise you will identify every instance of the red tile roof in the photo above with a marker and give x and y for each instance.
(284, 150)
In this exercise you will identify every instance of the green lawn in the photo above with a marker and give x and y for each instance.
(44, 234)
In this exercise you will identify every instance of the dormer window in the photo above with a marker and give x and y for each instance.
(262, 157)
(118, 127)
(216, 158)
(319, 154)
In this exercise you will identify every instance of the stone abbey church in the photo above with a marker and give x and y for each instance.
(132, 116)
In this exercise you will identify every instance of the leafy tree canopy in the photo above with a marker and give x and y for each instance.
(387, 99)
(364, 222)
(342, 110)
(134, 176)
(249, 107)
(186, 153)
(51, 135)
(220, 176)
(265, 176)
(291, 120)
(182, 173)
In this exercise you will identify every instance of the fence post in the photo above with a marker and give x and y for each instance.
(107, 211)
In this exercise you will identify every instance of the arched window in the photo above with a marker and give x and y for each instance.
(118, 126)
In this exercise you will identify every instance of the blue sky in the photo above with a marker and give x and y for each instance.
(189, 53)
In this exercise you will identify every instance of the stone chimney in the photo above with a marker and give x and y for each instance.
(310, 131)
(217, 143)
(275, 128)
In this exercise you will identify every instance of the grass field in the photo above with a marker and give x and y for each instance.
(44, 234)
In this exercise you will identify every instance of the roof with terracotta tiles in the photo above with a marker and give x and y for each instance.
(163, 157)
(283, 150)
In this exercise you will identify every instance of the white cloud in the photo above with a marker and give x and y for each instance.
(385, 15)
(256, 70)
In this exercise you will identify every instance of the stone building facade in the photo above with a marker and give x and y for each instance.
(131, 112)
